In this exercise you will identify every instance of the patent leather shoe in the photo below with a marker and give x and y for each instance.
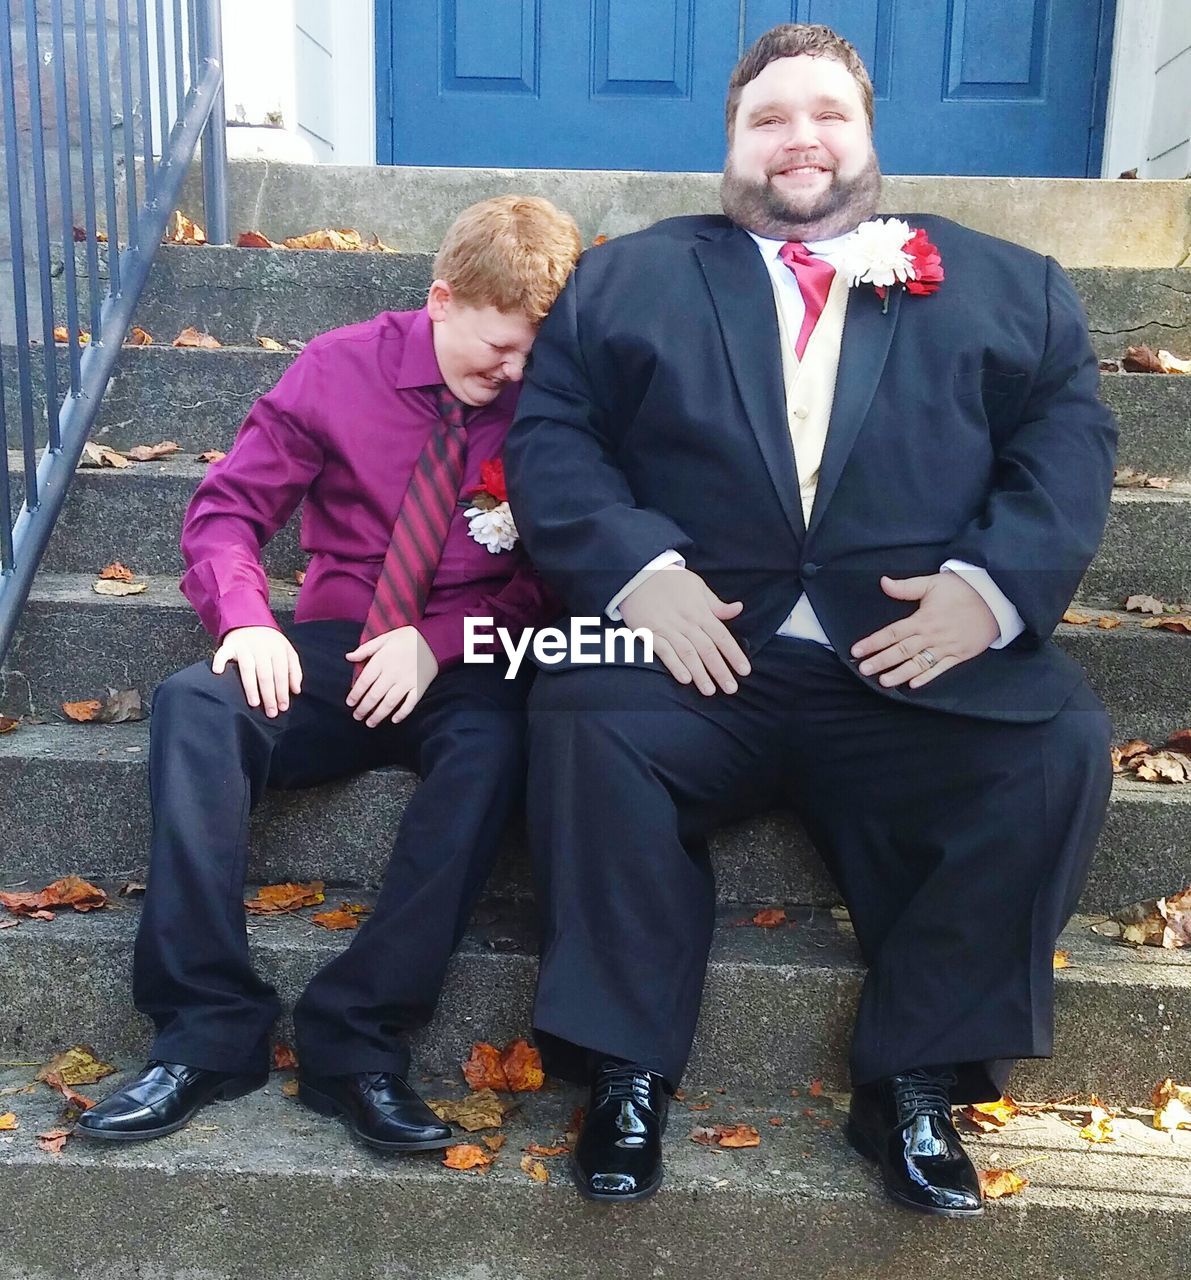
(618, 1155)
(161, 1100)
(903, 1123)
(379, 1108)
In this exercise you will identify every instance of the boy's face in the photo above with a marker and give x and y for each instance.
(479, 349)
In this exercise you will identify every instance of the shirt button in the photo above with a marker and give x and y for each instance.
(801, 411)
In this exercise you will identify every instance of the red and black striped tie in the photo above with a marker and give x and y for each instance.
(420, 529)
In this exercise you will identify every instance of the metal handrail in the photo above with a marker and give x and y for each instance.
(151, 188)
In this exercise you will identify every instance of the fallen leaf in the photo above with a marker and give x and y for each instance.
(132, 888)
(70, 891)
(255, 240)
(284, 1058)
(535, 1149)
(153, 452)
(1144, 604)
(535, 1169)
(80, 236)
(1162, 766)
(76, 1065)
(572, 1132)
(522, 1065)
(1170, 363)
(1062, 960)
(10, 924)
(8, 724)
(726, 1135)
(599, 240)
(989, 1117)
(191, 337)
(181, 230)
(494, 1141)
(1127, 752)
(121, 706)
(9, 1122)
(1180, 740)
(1128, 478)
(816, 1088)
(138, 337)
(481, 1110)
(466, 1155)
(996, 1184)
(776, 1121)
(483, 1069)
(62, 334)
(769, 918)
(99, 455)
(299, 576)
(273, 898)
(334, 920)
(212, 455)
(1180, 622)
(53, 1141)
(1172, 1106)
(289, 1089)
(270, 344)
(106, 587)
(116, 572)
(75, 1099)
(1141, 360)
(1072, 618)
(343, 240)
(1107, 623)
(1099, 1127)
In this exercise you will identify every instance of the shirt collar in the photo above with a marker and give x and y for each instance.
(419, 364)
(770, 248)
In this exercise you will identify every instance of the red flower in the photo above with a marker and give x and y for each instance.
(928, 266)
(492, 479)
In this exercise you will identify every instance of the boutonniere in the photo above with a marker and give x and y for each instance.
(887, 253)
(489, 520)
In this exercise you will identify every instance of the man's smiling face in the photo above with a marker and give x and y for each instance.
(801, 162)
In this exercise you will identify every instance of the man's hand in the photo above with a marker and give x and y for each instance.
(952, 623)
(269, 667)
(398, 669)
(687, 620)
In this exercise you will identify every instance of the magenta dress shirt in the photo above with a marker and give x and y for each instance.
(342, 430)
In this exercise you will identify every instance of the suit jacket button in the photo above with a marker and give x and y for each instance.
(809, 570)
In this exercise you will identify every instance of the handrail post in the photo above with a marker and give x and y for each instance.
(210, 49)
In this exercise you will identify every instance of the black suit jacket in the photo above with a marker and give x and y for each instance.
(966, 424)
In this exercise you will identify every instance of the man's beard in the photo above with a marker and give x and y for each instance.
(759, 207)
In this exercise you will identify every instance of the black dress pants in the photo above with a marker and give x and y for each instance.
(960, 847)
(212, 757)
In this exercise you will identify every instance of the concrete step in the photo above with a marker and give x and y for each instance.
(265, 1187)
(778, 1008)
(134, 515)
(1079, 222)
(341, 833)
(72, 642)
(199, 399)
(240, 294)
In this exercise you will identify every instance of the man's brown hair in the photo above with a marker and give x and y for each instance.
(788, 41)
(513, 253)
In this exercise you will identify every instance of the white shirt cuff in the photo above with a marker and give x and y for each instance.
(1008, 618)
(667, 560)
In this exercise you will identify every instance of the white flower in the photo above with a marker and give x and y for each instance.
(492, 529)
(874, 253)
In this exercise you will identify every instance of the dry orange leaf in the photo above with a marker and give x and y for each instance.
(1180, 622)
(181, 230)
(1127, 752)
(467, 1155)
(334, 920)
(522, 1065)
(1172, 1106)
(272, 898)
(153, 452)
(480, 1110)
(726, 1135)
(80, 236)
(342, 240)
(70, 891)
(816, 1088)
(289, 1089)
(988, 1117)
(535, 1169)
(599, 240)
(1062, 960)
(9, 1122)
(192, 337)
(62, 334)
(769, 918)
(1162, 766)
(53, 1141)
(1076, 619)
(269, 344)
(995, 1184)
(255, 240)
(138, 337)
(212, 455)
(76, 1065)
(8, 724)
(494, 1141)
(99, 455)
(284, 1058)
(75, 1099)
(536, 1149)
(1107, 623)
(483, 1069)
(119, 707)
(1099, 1127)
(116, 572)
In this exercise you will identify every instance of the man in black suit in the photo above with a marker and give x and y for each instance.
(851, 484)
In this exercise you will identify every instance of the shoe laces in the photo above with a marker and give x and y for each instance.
(623, 1084)
(923, 1093)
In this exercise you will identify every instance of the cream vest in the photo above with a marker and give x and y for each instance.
(810, 383)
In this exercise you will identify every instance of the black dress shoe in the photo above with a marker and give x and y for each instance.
(904, 1124)
(618, 1155)
(379, 1108)
(161, 1100)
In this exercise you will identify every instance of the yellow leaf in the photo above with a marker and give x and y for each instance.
(995, 1184)
(1172, 1106)
(1099, 1127)
(534, 1168)
(9, 1122)
(1062, 960)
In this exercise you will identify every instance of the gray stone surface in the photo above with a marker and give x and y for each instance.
(1154, 412)
(341, 833)
(1143, 550)
(777, 1008)
(1131, 308)
(1080, 222)
(309, 1203)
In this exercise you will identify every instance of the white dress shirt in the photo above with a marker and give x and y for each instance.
(802, 622)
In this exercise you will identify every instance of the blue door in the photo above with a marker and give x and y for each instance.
(999, 87)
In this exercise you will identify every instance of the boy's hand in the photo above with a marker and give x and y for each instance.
(398, 669)
(269, 667)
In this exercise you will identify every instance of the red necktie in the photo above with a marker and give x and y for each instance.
(814, 278)
(420, 529)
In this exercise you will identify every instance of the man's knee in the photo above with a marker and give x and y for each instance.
(195, 690)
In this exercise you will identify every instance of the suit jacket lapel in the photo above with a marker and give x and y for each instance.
(743, 296)
(868, 333)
